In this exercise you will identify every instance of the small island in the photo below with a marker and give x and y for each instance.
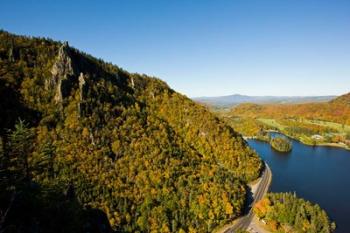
(281, 144)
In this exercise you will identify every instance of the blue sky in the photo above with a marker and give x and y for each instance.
(205, 48)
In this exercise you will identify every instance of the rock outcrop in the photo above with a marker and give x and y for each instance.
(83, 88)
(66, 78)
(63, 72)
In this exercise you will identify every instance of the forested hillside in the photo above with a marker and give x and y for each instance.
(81, 139)
(337, 110)
(343, 99)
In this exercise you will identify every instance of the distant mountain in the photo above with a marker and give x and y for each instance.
(232, 100)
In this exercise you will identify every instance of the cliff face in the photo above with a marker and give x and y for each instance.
(66, 76)
(126, 144)
(63, 74)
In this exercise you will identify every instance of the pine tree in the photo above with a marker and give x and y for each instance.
(21, 140)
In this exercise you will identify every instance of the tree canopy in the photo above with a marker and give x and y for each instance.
(104, 139)
(284, 212)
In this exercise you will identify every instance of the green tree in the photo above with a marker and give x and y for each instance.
(44, 161)
(21, 144)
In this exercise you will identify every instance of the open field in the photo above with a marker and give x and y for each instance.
(339, 127)
(271, 123)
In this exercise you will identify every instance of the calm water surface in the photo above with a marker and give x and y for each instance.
(318, 174)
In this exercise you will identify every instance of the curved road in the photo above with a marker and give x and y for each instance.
(244, 222)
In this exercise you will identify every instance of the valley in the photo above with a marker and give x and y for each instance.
(115, 150)
(326, 126)
(174, 116)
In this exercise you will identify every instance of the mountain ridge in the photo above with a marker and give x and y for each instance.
(343, 99)
(125, 144)
(235, 99)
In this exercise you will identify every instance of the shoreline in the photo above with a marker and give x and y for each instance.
(324, 144)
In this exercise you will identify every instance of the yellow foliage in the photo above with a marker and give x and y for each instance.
(192, 230)
(228, 208)
(85, 133)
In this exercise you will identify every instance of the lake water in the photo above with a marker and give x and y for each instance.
(318, 174)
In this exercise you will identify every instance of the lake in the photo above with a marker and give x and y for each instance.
(318, 174)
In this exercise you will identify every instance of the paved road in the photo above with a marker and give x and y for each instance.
(244, 222)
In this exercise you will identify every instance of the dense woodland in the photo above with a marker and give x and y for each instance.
(284, 212)
(84, 140)
(247, 126)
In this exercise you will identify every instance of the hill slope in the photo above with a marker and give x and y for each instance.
(337, 110)
(343, 99)
(125, 144)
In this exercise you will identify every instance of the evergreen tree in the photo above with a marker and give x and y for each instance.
(21, 144)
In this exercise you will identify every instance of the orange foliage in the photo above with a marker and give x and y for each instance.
(261, 206)
(337, 110)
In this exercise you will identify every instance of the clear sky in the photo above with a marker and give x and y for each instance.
(205, 48)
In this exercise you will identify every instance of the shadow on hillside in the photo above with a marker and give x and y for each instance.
(250, 196)
(249, 203)
(12, 109)
(35, 209)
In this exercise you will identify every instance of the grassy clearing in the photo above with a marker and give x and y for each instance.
(336, 126)
(272, 123)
